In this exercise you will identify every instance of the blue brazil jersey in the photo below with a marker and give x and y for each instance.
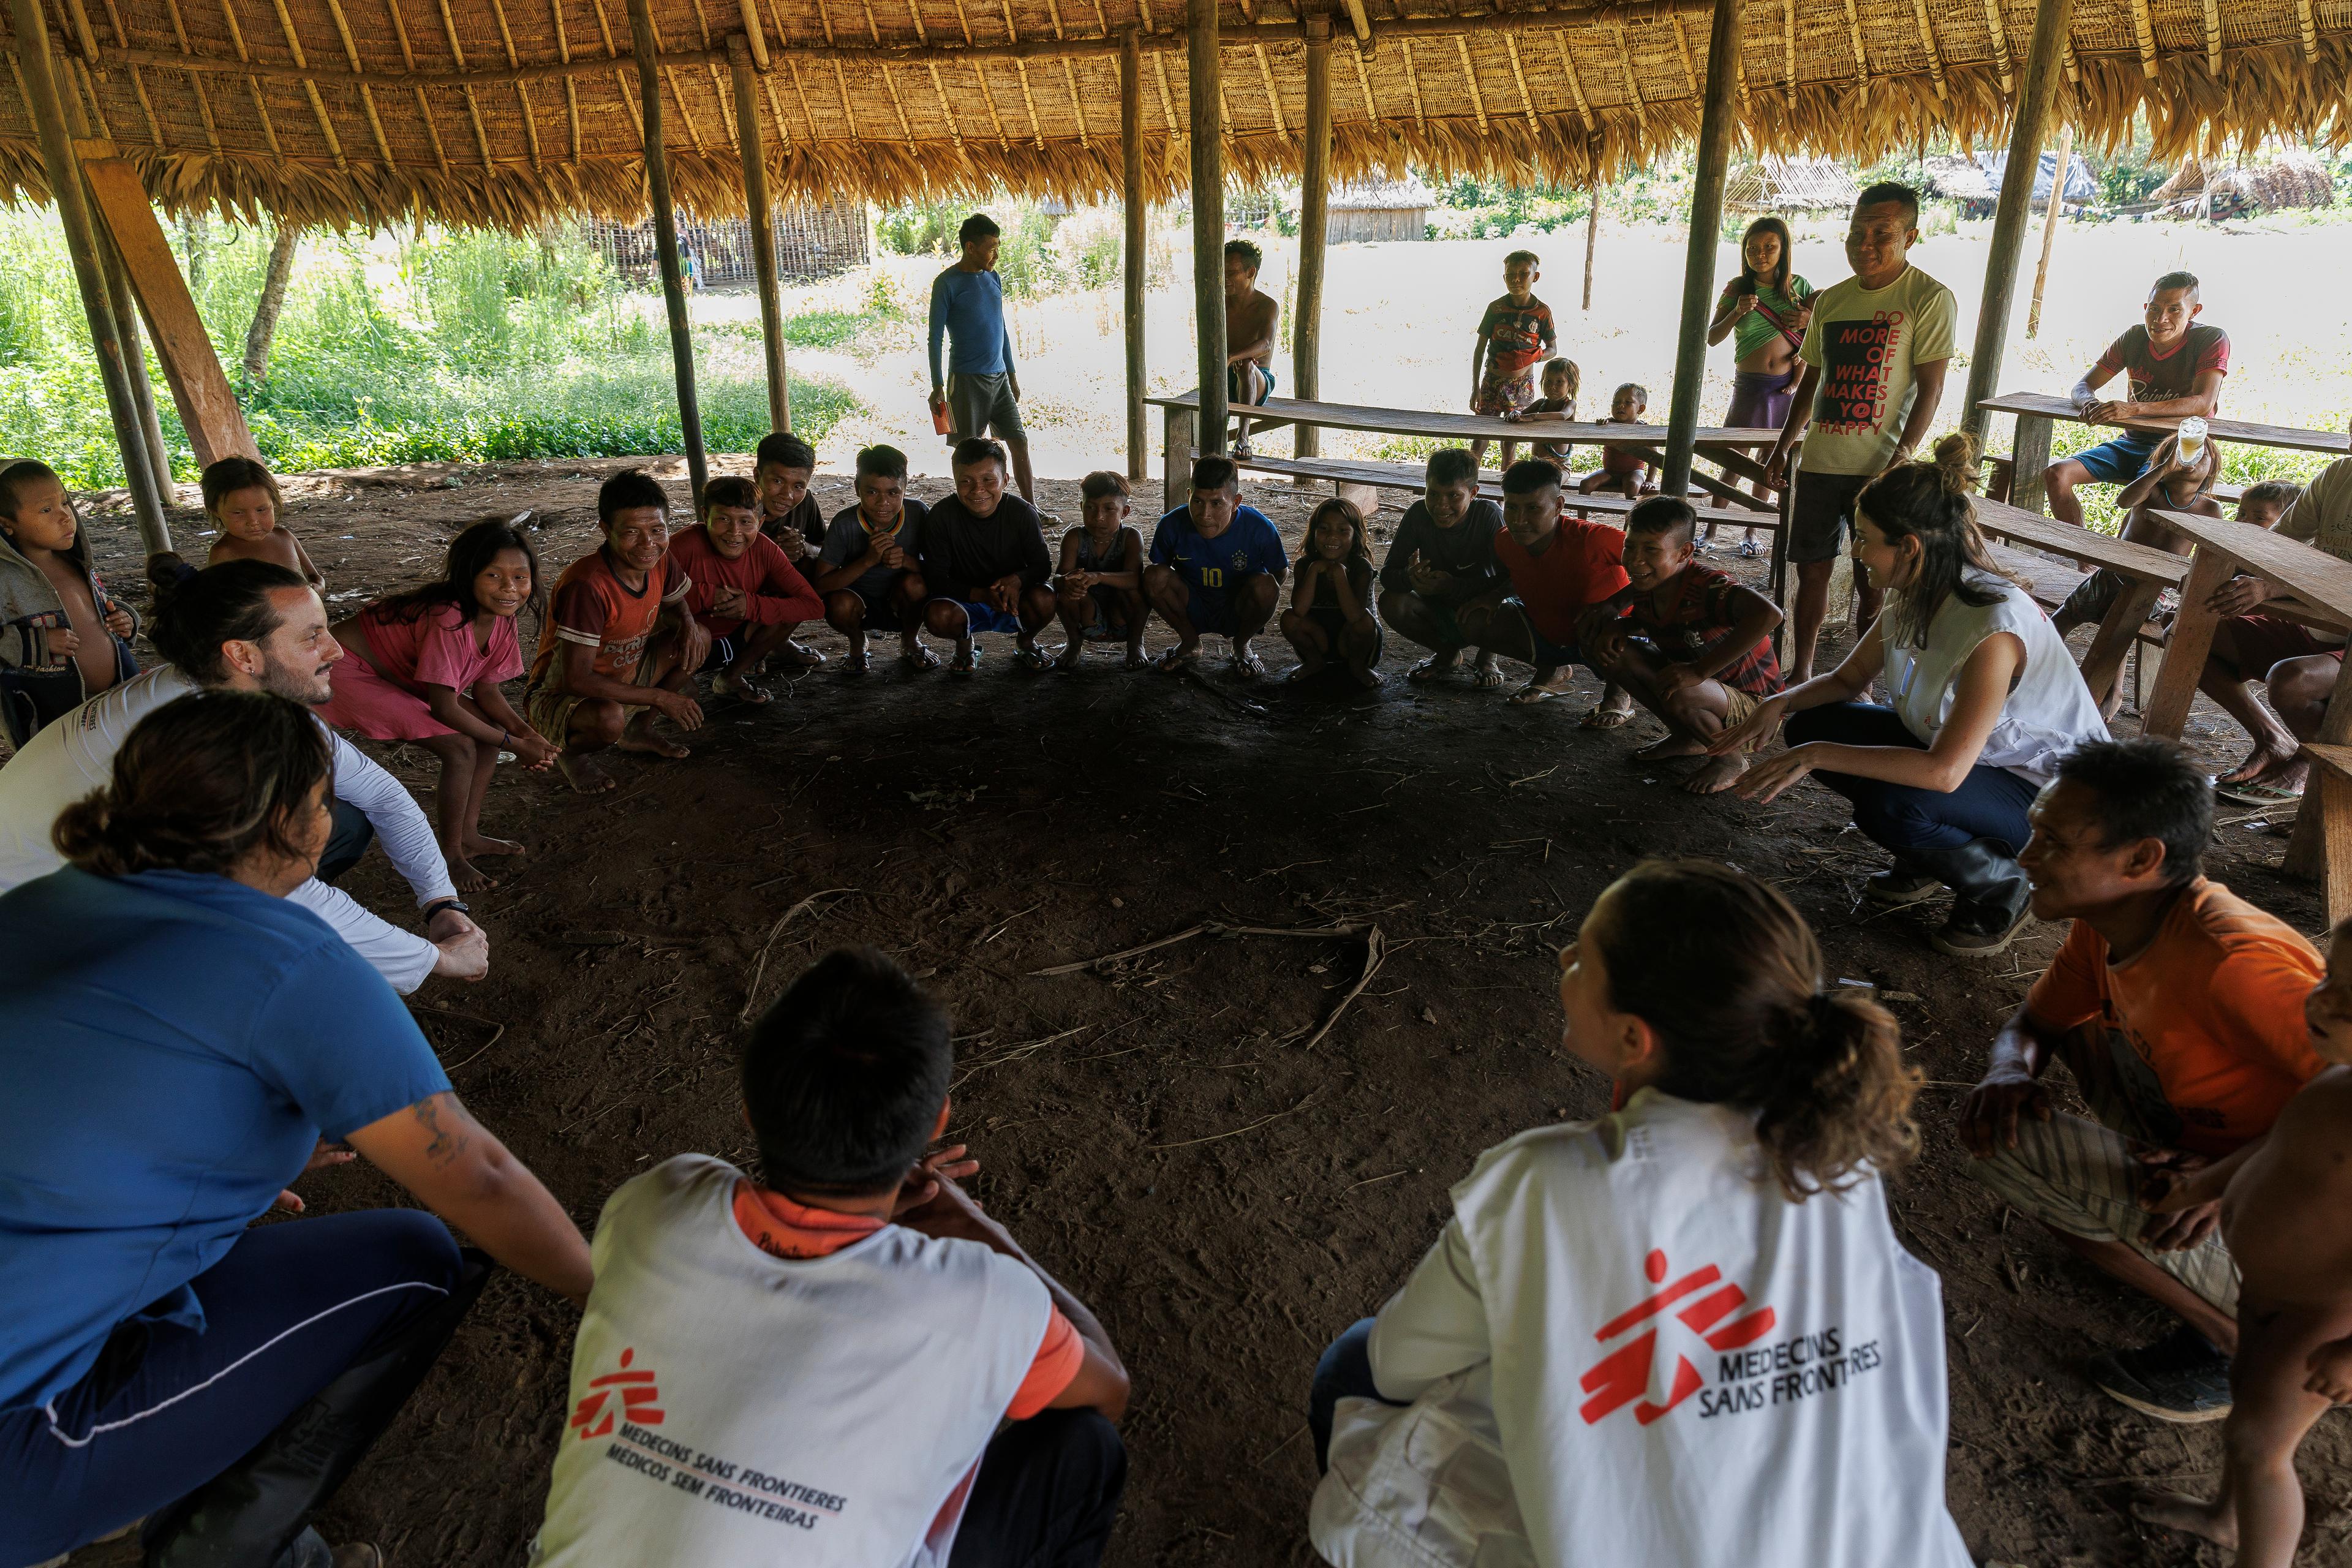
(1212, 565)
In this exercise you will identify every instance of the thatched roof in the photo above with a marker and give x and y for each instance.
(2288, 179)
(1408, 194)
(1790, 185)
(1978, 178)
(499, 111)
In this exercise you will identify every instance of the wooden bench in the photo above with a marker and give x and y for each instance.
(1374, 475)
(2038, 411)
(2318, 589)
(2145, 570)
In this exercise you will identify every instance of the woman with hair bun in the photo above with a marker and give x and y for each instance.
(179, 1041)
(1982, 701)
(1684, 1332)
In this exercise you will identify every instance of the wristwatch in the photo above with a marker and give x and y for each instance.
(437, 905)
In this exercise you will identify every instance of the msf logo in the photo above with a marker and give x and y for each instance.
(1624, 1375)
(640, 1401)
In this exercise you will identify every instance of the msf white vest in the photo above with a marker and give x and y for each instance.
(732, 1408)
(1688, 1369)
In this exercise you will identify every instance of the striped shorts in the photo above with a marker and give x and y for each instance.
(2079, 1175)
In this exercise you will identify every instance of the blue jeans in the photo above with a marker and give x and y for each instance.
(1344, 1371)
(167, 1407)
(1989, 804)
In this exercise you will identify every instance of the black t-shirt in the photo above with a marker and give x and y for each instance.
(808, 517)
(1359, 581)
(1466, 550)
(961, 554)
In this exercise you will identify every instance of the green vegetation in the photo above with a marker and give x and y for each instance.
(465, 346)
(1043, 251)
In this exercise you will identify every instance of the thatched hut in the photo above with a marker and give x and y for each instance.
(484, 111)
(813, 240)
(1791, 185)
(2289, 179)
(1384, 209)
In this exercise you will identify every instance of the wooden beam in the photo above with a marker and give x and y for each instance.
(1314, 227)
(763, 232)
(1719, 122)
(1591, 240)
(1134, 209)
(48, 109)
(1205, 72)
(756, 37)
(142, 392)
(681, 336)
(200, 389)
(1358, 21)
(2050, 225)
(2014, 210)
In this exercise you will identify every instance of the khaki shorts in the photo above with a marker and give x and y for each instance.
(983, 406)
(1738, 706)
(549, 711)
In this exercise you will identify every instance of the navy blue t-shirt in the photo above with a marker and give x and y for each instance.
(1250, 545)
(173, 1044)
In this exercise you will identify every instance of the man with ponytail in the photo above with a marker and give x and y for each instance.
(1985, 700)
(2177, 1008)
(253, 626)
(1684, 1333)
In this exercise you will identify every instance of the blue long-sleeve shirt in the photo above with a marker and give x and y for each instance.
(970, 306)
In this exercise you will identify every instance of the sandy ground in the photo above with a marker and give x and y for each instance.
(1159, 1132)
(1400, 319)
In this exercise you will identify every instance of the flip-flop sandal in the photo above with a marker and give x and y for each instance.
(739, 688)
(856, 664)
(1488, 679)
(1029, 661)
(965, 663)
(1427, 673)
(2253, 791)
(1175, 662)
(1528, 695)
(1136, 661)
(1748, 550)
(1606, 717)
(799, 654)
(1249, 667)
(921, 658)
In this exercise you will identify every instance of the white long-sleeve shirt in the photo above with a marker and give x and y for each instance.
(75, 755)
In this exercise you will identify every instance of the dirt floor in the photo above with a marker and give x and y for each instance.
(1163, 1133)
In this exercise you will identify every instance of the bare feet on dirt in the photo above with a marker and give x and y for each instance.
(583, 775)
(1718, 774)
(479, 845)
(1671, 746)
(2216, 1521)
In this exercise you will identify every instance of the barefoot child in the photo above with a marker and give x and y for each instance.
(427, 665)
(63, 639)
(746, 596)
(867, 569)
(618, 638)
(2283, 1199)
(781, 467)
(1440, 563)
(1101, 592)
(1560, 567)
(1561, 382)
(1694, 648)
(1330, 615)
(243, 500)
(1624, 473)
(1514, 336)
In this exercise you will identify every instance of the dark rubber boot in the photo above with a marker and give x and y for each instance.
(1992, 896)
(258, 1510)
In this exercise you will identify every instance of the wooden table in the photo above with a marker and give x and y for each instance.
(2319, 592)
(2036, 411)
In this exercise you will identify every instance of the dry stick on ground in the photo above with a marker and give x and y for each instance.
(498, 1030)
(1237, 1132)
(1375, 951)
(752, 992)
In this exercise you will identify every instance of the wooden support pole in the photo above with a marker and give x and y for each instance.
(681, 337)
(2012, 211)
(2050, 227)
(763, 231)
(142, 393)
(64, 172)
(1314, 228)
(192, 368)
(1205, 88)
(1591, 240)
(1136, 206)
(1719, 121)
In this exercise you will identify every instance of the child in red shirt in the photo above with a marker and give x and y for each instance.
(1560, 567)
(742, 589)
(1694, 646)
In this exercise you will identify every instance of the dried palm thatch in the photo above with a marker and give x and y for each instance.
(2290, 179)
(1790, 185)
(504, 111)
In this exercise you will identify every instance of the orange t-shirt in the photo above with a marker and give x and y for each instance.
(1583, 564)
(782, 1228)
(589, 606)
(2213, 1008)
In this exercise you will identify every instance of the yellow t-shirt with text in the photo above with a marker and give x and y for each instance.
(1868, 344)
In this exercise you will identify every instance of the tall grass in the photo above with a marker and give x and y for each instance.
(462, 346)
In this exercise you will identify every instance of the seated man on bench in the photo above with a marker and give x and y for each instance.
(2167, 484)
(1441, 562)
(2172, 368)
